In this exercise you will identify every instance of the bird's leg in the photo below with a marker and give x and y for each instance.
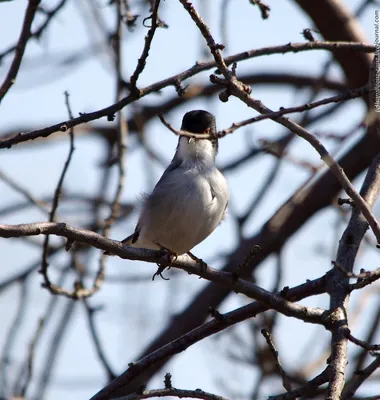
(172, 257)
(202, 264)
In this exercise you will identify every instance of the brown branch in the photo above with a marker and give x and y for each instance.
(338, 286)
(117, 387)
(360, 377)
(325, 156)
(51, 349)
(148, 42)
(25, 272)
(348, 95)
(285, 380)
(309, 314)
(153, 360)
(199, 67)
(309, 389)
(19, 53)
(173, 392)
(126, 208)
(264, 8)
(11, 335)
(352, 94)
(363, 274)
(38, 32)
(370, 337)
(54, 289)
(90, 312)
(147, 112)
(360, 284)
(361, 343)
(121, 142)
(50, 312)
(31, 357)
(41, 205)
(183, 133)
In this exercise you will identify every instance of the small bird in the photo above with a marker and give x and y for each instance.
(191, 197)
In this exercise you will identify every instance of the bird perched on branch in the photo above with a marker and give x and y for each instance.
(191, 197)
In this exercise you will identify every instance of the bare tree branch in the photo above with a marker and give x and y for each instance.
(339, 295)
(19, 53)
(173, 392)
(199, 67)
(138, 370)
(186, 263)
(57, 195)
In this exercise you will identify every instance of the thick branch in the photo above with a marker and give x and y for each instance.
(138, 372)
(338, 285)
(308, 314)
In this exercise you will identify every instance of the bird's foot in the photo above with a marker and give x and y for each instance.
(199, 261)
(165, 261)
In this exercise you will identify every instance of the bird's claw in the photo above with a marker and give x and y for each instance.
(199, 261)
(166, 261)
(159, 272)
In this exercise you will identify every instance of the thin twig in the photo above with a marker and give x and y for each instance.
(361, 343)
(121, 144)
(363, 274)
(39, 31)
(309, 389)
(51, 349)
(11, 335)
(285, 380)
(350, 94)
(363, 282)
(350, 389)
(31, 356)
(264, 8)
(20, 48)
(183, 133)
(41, 205)
(148, 42)
(90, 311)
(57, 195)
(369, 338)
(173, 392)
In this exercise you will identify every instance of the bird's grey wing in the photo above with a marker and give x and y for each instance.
(131, 239)
(176, 163)
(163, 196)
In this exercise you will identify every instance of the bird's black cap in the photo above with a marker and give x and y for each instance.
(197, 121)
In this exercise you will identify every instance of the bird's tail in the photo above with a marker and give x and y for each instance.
(128, 240)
